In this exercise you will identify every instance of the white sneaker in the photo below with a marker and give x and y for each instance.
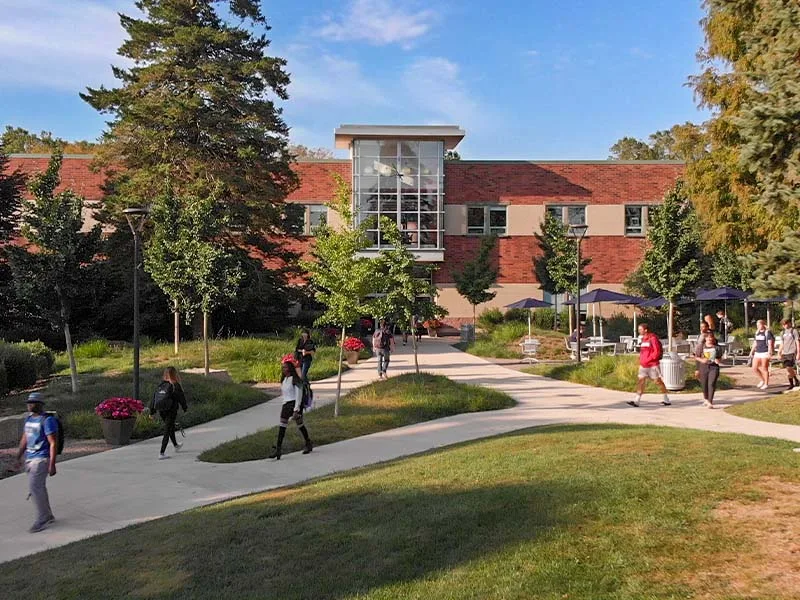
(706, 403)
(162, 456)
(760, 385)
(178, 447)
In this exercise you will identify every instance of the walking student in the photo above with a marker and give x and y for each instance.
(650, 353)
(698, 353)
(168, 396)
(39, 444)
(790, 353)
(383, 342)
(724, 325)
(304, 353)
(761, 352)
(292, 395)
(709, 368)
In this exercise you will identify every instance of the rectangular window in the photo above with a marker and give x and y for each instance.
(302, 219)
(635, 220)
(317, 215)
(568, 213)
(486, 220)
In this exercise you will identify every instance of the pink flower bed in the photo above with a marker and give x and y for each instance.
(119, 408)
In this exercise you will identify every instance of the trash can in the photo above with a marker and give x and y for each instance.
(673, 372)
(467, 333)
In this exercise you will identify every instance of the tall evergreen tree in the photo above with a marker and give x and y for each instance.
(197, 109)
(57, 268)
(477, 276)
(776, 272)
(12, 184)
(672, 258)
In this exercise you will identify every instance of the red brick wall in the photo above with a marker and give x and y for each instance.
(75, 174)
(530, 183)
(613, 257)
(316, 181)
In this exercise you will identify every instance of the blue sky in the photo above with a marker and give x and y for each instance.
(531, 79)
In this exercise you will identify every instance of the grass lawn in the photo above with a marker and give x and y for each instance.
(382, 405)
(583, 512)
(615, 373)
(784, 408)
(208, 399)
(246, 359)
(503, 342)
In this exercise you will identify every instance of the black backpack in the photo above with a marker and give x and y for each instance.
(308, 395)
(59, 432)
(163, 398)
(385, 340)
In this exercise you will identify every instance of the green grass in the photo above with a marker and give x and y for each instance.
(615, 373)
(245, 359)
(553, 513)
(382, 405)
(208, 399)
(775, 409)
(503, 342)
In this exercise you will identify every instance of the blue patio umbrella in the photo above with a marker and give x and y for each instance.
(721, 293)
(767, 301)
(529, 303)
(602, 295)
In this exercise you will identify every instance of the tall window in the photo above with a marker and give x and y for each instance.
(635, 220)
(569, 214)
(486, 220)
(401, 180)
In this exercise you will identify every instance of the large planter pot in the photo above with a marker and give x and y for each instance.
(433, 332)
(117, 431)
(673, 372)
(351, 357)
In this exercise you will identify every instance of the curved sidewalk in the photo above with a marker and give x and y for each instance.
(107, 491)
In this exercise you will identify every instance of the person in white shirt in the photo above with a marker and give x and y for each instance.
(292, 394)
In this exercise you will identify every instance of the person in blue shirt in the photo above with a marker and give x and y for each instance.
(39, 445)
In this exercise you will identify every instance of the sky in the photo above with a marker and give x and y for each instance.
(527, 80)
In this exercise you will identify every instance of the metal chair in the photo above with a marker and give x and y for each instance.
(530, 346)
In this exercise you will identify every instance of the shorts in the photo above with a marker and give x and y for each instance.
(287, 410)
(761, 355)
(788, 362)
(651, 372)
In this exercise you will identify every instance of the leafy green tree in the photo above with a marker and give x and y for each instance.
(12, 184)
(56, 269)
(477, 276)
(197, 105)
(17, 140)
(680, 142)
(341, 279)
(299, 151)
(672, 258)
(630, 148)
(731, 270)
(775, 269)
(451, 155)
(402, 283)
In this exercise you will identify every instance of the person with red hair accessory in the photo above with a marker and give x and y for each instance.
(292, 393)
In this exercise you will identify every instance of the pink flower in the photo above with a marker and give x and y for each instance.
(119, 408)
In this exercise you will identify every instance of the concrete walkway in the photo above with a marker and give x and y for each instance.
(107, 491)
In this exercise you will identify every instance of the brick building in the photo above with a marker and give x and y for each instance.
(444, 207)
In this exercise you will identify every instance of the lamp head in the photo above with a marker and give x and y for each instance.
(578, 230)
(136, 217)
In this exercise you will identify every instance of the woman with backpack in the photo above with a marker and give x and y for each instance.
(708, 362)
(761, 353)
(292, 395)
(304, 352)
(169, 394)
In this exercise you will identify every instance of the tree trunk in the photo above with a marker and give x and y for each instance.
(474, 320)
(206, 360)
(73, 368)
(177, 327)
(339, 376)
(669, 326)
(569, 316)
(414, 345)
(555, 316)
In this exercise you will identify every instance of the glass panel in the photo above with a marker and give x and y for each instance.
(633, 220)
(557, 212)
(429, 166)
(388, 148)
(497, 220)
(409, 166)
(294, 218)
(576, 215)
(431, 149)
(388, 184)
(409, 182)
(372, 238)
(369, 203)
(475, 216)
(388, 203)
(409, 149)
(318, 215)
(410, 203)
(428, 202)
(367, 148)
(367, 184)
(427, 239)
(429, 184)
(428, 221)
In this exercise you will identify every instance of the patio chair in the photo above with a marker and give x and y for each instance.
(530, 346)
(573, 348)
(736, 350)
(620, 348)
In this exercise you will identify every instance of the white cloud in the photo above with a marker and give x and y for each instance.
(379, 22)
(58, 44)
(435, 86)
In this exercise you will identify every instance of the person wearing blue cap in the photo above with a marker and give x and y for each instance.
(39, 445)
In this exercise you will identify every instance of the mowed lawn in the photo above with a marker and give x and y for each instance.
(581, 512)
(783, 408)
(399, 401)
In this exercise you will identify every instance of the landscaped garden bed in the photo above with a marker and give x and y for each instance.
(579, 512)
(399, 401)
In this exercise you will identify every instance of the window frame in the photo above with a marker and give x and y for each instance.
(564, 208)
(306, 229)
(486, 228)
(645, 219)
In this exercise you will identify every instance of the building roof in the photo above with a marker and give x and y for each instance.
(451, 135)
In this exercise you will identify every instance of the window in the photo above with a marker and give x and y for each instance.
(635, 220)
(487, 220)
(302, 219)
(570, 214)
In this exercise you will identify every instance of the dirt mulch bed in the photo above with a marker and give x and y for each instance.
(72, 449)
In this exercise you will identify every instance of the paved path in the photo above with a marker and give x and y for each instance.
(110, 490)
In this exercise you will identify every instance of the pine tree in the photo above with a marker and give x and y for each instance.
(477, 276)
(56, 270)
(12, 184)
(776, 272)
(196, 110)
(673, 255)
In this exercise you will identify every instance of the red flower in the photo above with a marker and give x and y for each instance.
(119, 408)
(353, 344)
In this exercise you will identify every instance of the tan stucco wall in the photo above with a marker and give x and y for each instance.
(524, 220)
(605, 219)
(334, 219)
(455, 219)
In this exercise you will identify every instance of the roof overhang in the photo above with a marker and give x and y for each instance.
(451, 135)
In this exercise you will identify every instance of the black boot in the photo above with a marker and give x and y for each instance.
(309, 446)
(276, 453)
(276, 449)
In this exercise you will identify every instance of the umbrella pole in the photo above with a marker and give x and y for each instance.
(768, 319)
(746, 320)
(594, 322)
(635, 329)
(600, 312)
(529, 324)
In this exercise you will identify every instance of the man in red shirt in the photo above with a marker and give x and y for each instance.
(650, 354)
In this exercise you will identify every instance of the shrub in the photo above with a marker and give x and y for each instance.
(83, 425)
(490, 318)
(93, 349)
(20, 366)
(543, 319)
(45, 358)
(3, 380)
(519, 315)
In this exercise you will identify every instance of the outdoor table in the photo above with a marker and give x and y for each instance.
(599, 346)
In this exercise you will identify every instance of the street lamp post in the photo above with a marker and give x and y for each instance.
(578, 231)
(136, 218)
